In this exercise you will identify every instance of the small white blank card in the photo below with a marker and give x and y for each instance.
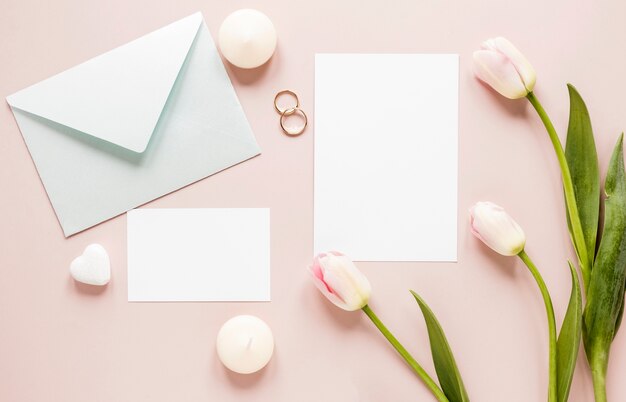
(386, 134)
(199, 254)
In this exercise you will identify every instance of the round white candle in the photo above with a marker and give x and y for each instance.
(247, 38)
(245, 344)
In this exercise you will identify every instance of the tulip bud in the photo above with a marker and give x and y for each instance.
(336, 276)
(504, 68)
(491, 224)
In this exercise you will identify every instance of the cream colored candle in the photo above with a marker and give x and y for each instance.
(245, 344)
(247, 38)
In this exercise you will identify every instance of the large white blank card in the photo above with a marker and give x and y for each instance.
(386, 134)
(199, 254)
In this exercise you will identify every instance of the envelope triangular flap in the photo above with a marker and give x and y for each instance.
(118, 96)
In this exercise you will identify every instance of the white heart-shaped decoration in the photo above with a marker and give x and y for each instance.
(92, 267)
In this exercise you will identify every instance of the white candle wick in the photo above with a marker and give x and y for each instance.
(249, 345)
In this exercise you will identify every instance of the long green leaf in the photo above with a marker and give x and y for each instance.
(606, 289)
(569, 339)
(620, 315)
(445, 365)
(582, 160)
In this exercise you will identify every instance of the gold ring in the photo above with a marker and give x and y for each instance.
(286, 92)
(289, 112)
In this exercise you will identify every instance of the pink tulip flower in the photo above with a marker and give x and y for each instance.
(336, 276)
(504, 68)
(491, 224)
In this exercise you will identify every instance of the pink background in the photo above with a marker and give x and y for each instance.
(63, 342)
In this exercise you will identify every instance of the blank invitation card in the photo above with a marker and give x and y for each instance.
(199, 254)
(386, 128)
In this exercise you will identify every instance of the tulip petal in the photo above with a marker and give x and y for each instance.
(521, 64)
(326, 291)
(495, 69)
(316, 271)
(346, 281)
(495, 230)
(492, 225)
(350, 299)
(358, 280)
(336, 276)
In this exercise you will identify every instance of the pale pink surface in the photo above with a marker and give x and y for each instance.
(68, 343)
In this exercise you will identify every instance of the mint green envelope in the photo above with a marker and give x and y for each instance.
(133, 124)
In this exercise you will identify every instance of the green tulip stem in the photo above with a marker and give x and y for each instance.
(568, 186)
(547, 301)
(599, 386)
(598, 373)
(422, 374)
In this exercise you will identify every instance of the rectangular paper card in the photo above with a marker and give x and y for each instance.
(386, 128)
(199, 254)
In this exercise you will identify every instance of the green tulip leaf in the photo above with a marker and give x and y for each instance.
(582, 160)
(569, 339)
(605, 295)
(445, 365)
(620, 315)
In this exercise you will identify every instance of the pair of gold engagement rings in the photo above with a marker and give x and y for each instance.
(288, 111)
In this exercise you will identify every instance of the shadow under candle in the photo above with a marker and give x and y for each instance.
(248, 76)
(245, 380)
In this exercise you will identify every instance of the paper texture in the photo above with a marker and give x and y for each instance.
(133, 124)
(386, 156)
(199, 254)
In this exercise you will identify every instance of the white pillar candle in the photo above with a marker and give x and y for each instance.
(245, 344)
(247, 38)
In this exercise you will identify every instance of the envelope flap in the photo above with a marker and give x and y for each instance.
(119, 95)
